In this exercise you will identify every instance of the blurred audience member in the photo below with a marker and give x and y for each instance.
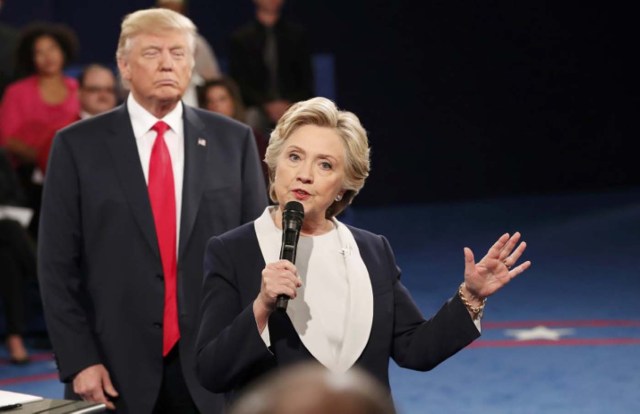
(271, 61)
(97, 91)
(8, 42)
(17, 261)
(206, 66)
(309, 388)
(35, 107)
(223, 96)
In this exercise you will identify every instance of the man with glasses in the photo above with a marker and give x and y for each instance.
(97, 92)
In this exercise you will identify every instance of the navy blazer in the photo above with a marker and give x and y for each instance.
(99, 263)
(231, 352)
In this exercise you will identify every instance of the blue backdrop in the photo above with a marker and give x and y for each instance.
(461, 99)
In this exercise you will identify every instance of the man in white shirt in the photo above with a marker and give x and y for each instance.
(130, 200)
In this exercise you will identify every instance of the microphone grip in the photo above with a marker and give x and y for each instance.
(288, 252)
(282, 302)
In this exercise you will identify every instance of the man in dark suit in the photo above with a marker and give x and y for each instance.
(270, 60)
(130, 199)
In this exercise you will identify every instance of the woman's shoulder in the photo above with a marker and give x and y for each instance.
(364, 234)
(244, 233)
(368, 239)
(21, 86)
(71, 83)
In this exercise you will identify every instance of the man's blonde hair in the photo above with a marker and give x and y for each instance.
(156, 20)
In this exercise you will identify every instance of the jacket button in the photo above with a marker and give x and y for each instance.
(157, 325)
(160, 276)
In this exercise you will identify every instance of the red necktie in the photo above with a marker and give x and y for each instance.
(163, 204)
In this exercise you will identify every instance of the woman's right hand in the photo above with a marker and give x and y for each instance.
(278, 278)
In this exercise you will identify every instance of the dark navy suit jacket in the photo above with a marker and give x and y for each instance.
(231, 352)
(99, 264)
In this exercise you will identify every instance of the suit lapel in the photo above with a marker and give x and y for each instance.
(195, 162)
(124, 153)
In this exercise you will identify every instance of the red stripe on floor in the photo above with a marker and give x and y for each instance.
(29, 378)
(44, 356)
(597, 323)
(561, 342)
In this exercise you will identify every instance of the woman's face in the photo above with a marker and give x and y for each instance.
(48, 56)
(219, 100)
(311, 170)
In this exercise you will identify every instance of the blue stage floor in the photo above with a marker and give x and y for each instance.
(579, 305)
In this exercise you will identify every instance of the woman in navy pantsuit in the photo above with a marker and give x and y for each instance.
(348, 307)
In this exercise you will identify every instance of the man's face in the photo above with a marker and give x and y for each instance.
(271, 6)
(158, 67)
(98, 93)
(175, 5)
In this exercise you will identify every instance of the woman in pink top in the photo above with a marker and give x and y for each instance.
(35, 107)
(31, 112)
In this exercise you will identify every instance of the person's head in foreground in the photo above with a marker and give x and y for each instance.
(312, 389)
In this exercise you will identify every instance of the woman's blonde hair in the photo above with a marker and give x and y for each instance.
(323, 112)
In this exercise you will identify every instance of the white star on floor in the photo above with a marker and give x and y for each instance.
(539, 332)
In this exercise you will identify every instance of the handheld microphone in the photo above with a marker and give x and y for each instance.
(292, 218)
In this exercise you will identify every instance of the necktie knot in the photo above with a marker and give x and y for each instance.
(160, 127)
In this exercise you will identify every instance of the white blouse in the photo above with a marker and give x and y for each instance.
(333, 311)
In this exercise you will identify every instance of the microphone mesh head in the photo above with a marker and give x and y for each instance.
(294, 206)
(293, 215)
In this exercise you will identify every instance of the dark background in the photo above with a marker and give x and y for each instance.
(462, 99)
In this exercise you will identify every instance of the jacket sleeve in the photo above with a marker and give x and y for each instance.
(254, 193)
(230, 351)
(422, 344)
(62, 286)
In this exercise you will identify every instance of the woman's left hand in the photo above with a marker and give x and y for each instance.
(496, 269)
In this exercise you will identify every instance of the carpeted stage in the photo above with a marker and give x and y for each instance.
(562, 338)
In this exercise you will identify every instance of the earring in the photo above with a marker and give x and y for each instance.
(338, 197)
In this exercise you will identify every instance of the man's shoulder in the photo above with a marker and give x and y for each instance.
(95, 123)
(291, 27)
(246, 31)
(85, 132)
(212, 119)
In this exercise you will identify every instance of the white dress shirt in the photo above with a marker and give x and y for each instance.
(142, 121)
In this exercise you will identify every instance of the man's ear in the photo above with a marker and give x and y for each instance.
(123, 67)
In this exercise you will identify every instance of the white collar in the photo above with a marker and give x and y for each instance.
(360, 318)
(142, 120)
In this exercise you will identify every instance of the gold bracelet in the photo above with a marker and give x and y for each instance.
(476, 312)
